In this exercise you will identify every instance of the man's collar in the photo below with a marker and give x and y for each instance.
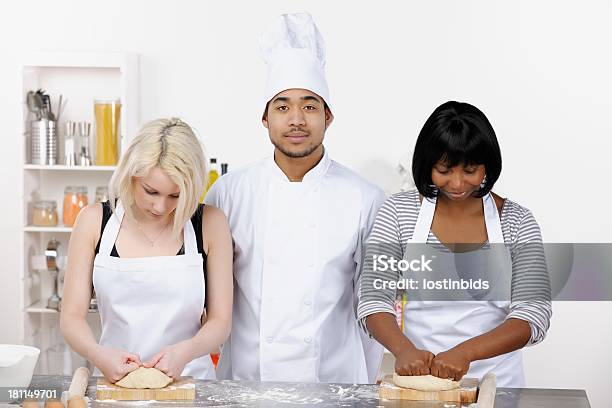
(313, 174)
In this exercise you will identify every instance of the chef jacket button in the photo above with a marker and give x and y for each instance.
(307, 302)
(307, 339)
(269, 339)
(312, 225)
(316, 189)
(310, 265)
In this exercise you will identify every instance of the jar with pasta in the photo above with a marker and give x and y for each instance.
(108, 114)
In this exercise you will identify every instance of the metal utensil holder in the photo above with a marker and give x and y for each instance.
(44, 142)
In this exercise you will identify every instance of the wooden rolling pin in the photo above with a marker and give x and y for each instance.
(486, 391)
(78, 388)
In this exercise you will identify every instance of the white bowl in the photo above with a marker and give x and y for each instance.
(17, 365)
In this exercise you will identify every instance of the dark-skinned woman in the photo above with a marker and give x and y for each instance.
(456, 162)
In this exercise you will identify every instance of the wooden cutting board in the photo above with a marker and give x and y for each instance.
(182, 389)
(466, 393)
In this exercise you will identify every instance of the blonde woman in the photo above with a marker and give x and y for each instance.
(160, 263)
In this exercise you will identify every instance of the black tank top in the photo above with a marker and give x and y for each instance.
(196, 221)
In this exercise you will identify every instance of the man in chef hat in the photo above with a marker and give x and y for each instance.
(299, 221)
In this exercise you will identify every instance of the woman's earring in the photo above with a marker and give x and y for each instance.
(484, 182)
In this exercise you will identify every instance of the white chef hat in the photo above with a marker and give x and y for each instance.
(294, 52)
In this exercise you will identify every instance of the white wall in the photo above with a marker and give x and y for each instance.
(539, 70)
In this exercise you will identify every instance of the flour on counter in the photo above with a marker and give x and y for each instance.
(243, 394)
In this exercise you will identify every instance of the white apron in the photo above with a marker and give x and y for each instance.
(148, 303)
(438, 326)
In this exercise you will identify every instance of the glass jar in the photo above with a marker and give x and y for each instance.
(75, 199)
(45, 214)
(108, 115)
(101, 194)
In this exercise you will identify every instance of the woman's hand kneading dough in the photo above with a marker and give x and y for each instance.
(453, 364)
(114, 363)
(412, 361)
(171, 360)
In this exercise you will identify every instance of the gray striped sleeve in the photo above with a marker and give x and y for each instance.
(530, 281)
(385, 239)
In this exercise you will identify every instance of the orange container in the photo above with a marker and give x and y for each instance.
(75, 199)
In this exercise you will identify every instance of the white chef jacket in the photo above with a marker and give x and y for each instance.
(297, 257)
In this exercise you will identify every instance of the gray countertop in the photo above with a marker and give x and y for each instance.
(273, 394)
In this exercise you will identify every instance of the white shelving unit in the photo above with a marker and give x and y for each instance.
(34, 228)
(60, 167)
(80, 77)
(41, 307)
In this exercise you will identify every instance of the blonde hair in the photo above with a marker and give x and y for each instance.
(171, 145)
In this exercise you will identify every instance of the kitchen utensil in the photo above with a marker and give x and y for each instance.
(85, 155)
(32, 104)
(49, 111)
(38, 100)
(181, 389)
(487, 391)
(43, 141)
(78, 386)
(51, 255)
(93, 302)
(466, 393)
(75, 396)
(60, 108)
(69, 135)
(17, 364)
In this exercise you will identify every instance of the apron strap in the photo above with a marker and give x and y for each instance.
(189, 238)
(111, 230)
(424, 219)
(492, 221)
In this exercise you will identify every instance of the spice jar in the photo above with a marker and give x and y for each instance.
(75, 199)
(101, 194)
(45, 214)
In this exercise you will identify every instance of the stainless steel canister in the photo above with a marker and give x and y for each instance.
(44, 142)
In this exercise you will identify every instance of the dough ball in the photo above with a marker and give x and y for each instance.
(144, 378)
(424, 382)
